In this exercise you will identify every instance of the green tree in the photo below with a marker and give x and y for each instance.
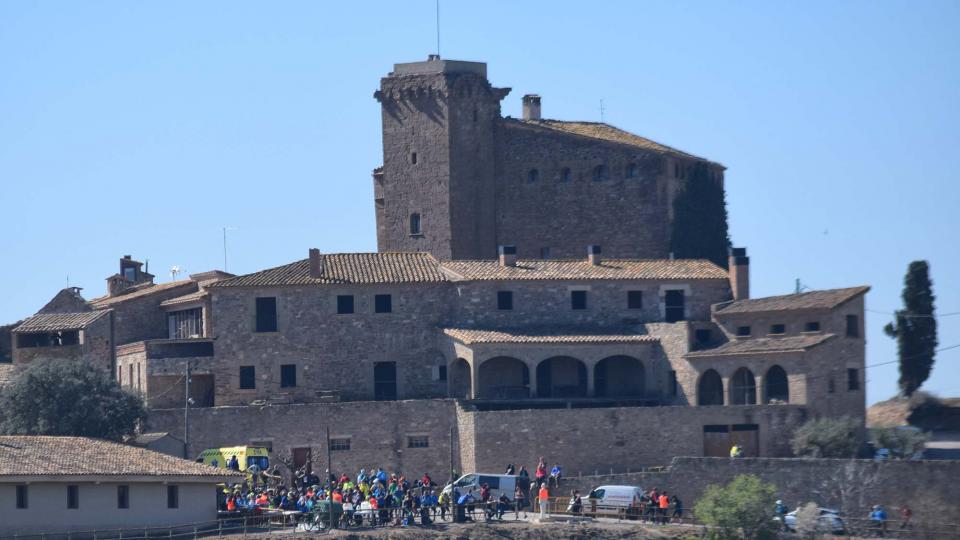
(743, 509)
(827, 438)
(904, 442)
(915, 328)
(700, 219)
(63, 397)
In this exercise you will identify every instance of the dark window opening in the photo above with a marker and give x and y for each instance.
(49, 339)
(812, 326)
(566, 175)
(442, 373)
(631, 170)
(600, 172)
(383, 303)
(777, 329)
(344, 304)
(544, 253)
(248, 377)
(418, 441)
(415, 224)
(710, 389)
(778, 389)
(533, 176)
(413, 158)
(853, 326)
(743, 331)
(173, 496)
(853, 379)
(831, 385)
(476, 116)
(123, 497)
(185, 324)
(385, 381)
(340, 445)
(578, 300)
(743, 388)
(267, 314)
(288, 376)
(22, 499)
(634, 299)
(73, 497)
(504, 300)
(674, 305)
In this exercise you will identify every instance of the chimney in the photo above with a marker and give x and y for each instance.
(593, 255)
(739, 273)
(316, 264)
(531, 107)
(508, 255)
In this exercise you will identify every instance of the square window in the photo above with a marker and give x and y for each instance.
(248, 377)
(23, 500)
(418, 441)
(634, 299)
(266, 314)
(812, 326)
(173, 496)
(578, 300)
(344, 304)
(123, 497)
(341, 444)
(743, 331)
(505, 300)
(853, 379)
(674, 308)
(853, 326)
(777, 329)
(383, 303)
(288, 376)
(73, 497)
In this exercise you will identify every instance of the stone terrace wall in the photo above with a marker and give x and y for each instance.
(851, 486)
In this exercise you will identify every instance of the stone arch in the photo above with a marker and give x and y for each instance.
(710, 389)
(619, 376)
(743, 388)
(776, 387)
(503, 377)
(459, 379)
(561, 377)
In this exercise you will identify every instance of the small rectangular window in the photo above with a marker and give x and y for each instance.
(344, 304)
(853, 379)
(73, 497)
(634, 299)
(23, 500)
(812, 326)
(288, 376)
(173, 496)
(441, 373)
(673, 384)
(544, 253)
(266, 314)
(777, 329)
(383, 303)
(418, 441)
(743, 331)
(853, 326)
(674, 305)
(123, 497)
(505, 300)
(340, 445)
(578, 300)
(248, 377)
(831, 385)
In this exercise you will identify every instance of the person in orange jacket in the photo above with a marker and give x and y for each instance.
(544, 497)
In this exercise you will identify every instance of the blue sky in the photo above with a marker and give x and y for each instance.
(144, 129)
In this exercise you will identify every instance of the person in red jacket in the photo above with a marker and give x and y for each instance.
(664, 506)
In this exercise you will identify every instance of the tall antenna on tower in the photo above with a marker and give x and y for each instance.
(438, 28)
(601, 110)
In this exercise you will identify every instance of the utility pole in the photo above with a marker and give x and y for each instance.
(329, 483)
(224, 249)
(453, 473)
(186, 413)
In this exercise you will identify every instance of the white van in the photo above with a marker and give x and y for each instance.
(614, 498)
(498, 483)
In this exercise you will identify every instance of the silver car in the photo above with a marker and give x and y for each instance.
(827, 522)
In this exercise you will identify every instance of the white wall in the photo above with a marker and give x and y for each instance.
(47, 509)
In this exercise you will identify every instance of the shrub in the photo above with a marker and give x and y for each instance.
(827, 438)
(903, 441)
(743, 509)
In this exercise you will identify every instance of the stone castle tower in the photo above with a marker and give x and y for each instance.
(458, 179)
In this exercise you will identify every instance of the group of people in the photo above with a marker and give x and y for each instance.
(659, 507)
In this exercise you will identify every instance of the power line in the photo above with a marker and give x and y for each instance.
(915, 316)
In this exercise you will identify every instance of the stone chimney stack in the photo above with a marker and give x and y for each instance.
(316, 263)
(508, 255)
(739, 273)
(531, 107)
(593, 255)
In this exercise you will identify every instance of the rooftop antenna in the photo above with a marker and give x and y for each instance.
(601, 110)
(225, 229)
(438, 28)
(799, 287)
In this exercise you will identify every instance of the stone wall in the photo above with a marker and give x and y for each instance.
(142, 317)
(851, 486)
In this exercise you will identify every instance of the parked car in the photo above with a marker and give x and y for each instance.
(498, 483)
(614, 498)
(828, 521)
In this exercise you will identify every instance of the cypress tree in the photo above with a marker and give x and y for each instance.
(915, 328)
(700, 219)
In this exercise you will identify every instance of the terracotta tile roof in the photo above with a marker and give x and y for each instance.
(347, 268)
(825, 299)
(764, 345)
(685, 269)
(54, 457)
(471, 336)
(141, 291)
(606, 132)
(8, 372)
(54, 322)
(185, 299)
